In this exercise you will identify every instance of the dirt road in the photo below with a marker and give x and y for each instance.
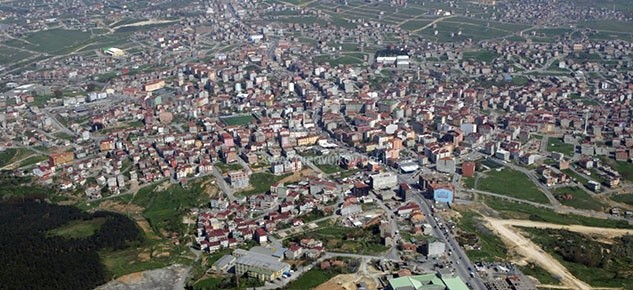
(534, 253)
(606, 232)
(144, 23)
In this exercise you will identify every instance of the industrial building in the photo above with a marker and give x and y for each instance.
(437, 281)
(262, 267)
(114, 52)
(223, 264)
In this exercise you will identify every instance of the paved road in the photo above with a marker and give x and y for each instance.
(392, 253)
(460, 261)
(245, 166)
(226, 189)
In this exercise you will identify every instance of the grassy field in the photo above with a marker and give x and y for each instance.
(556, 144)
(224, 168)
(329, 168)
(513, 210)
(511, 183)
(623, 198)
(480, 56)
(575, 176)
(261, 182)
(581, 199)
(539, 273)
(624, 168)
(469, 182)
(335, 61)
(307, 20)
(12, 155)
(608, 25)
(211, 282)
(149, 256)
(53, 41)
(352, 240)
(237, 120)
(414, 24)
(32, 160)
(79, 228)
(468, 31)
(11, 55)
(164, 209)
(6, 156)
(492, 248)
(311, 279)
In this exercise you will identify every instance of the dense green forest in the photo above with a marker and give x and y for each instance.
(33, 258)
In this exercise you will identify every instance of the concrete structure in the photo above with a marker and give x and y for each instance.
(384, 180)
(262, 267)
(503, 155)
(434, 249)
(468, 169)
(238, 179)
(153, 86)
(223, 264)
(408, 167)
(446, 165)
(61, 158)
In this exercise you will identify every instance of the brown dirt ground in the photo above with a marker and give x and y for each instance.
(297, 176)
(347, 282)
(532, 252)
(605, 232)
(131, 278)
(130, 209)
